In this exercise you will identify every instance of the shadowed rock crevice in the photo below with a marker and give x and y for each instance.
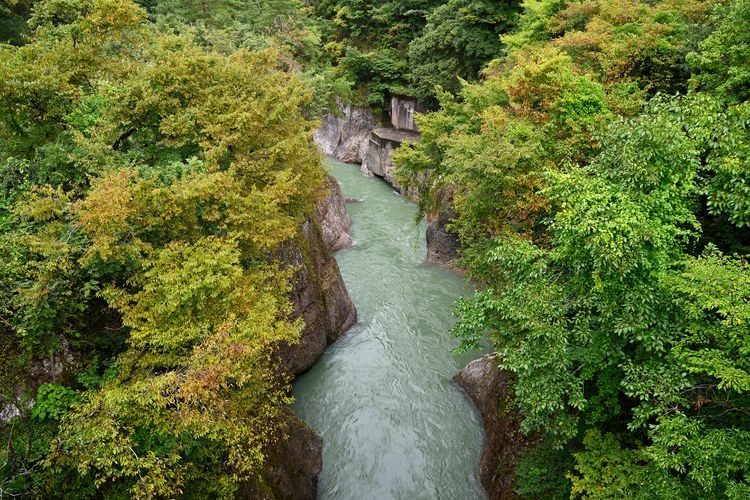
(491, 390)
(292, 465)
(442, 244)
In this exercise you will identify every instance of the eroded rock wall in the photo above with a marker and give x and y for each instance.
(292, 465)
(319, 295)
(345, 136)
(335, 222)
(442, 244)
(378, 161)
(491, 390)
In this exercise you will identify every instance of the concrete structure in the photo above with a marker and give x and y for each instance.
(403, 110)
(383, 141)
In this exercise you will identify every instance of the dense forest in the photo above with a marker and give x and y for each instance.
(146, 183)
(599, 172)
(155, 155)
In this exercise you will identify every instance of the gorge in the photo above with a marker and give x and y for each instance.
(542, 288)
(393, 423)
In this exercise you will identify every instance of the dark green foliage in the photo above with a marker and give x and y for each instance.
(52, 402)
(723, 62)
(541, 472)
(460, 37)
(601, 216)
(13, 17)
(411, 47)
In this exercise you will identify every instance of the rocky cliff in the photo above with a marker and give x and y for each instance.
(442, 244)
(491, 390)
(334, 220)
(345, 136)
(319, 295)
(292, 465)
(351, 137)
(404, 110)
(378, 161)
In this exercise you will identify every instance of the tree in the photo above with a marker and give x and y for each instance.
(156, 181)
(600, 217)
(459, 39)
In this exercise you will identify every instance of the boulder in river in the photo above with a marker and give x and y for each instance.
(491, 390)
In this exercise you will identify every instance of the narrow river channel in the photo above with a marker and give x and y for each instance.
(393, 423)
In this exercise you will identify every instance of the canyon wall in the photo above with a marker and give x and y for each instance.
(491, 390)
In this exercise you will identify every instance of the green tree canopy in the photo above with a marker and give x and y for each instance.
(149, 184)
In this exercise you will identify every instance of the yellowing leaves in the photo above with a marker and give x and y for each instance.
(176, 175)
(43, 204)
(104, 214)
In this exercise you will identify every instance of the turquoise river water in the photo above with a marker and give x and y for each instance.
(393, 423)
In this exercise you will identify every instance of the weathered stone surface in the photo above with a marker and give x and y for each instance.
(491, 390)
(335, 222)
(442, 245)
(403, 110)
(319, 295)
(292, 465)
(345, 137)
(57, 367)
(378, 161)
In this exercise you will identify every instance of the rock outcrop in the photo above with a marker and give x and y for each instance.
(292, 465)
(442, 244)
(345, 136)
(403, 111)
(491, 390)
(320, 298)
(335, 222)
(319, 295)
(21, 381)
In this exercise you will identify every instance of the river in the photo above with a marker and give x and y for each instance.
(393, 423)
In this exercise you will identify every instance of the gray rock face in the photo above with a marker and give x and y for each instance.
(296, 479)
(383, 142)
(335, 222)
(292, 465)
(345, 137)
(320, 298)
(55, 368)
(491, 390)
(442, 245)
(319, 295)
